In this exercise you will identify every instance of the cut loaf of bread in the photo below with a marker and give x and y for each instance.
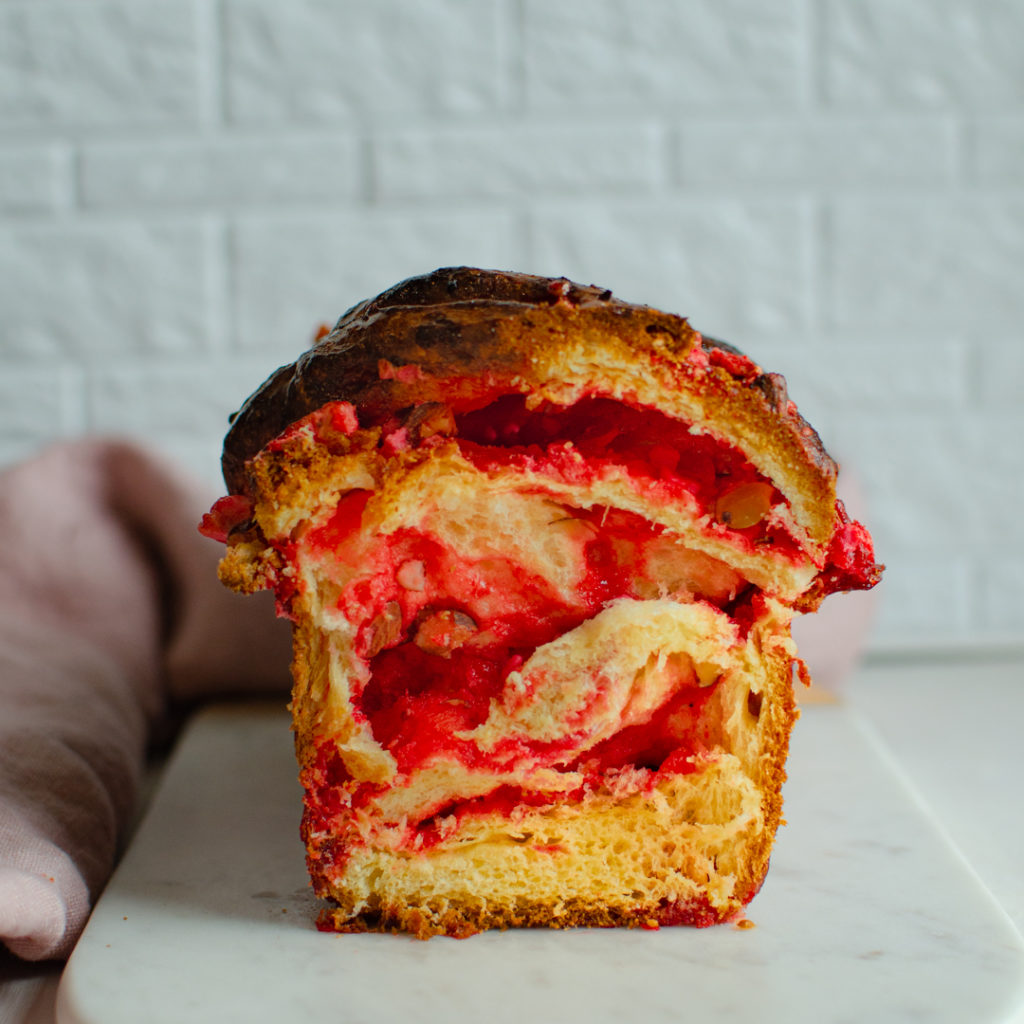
(541, 550)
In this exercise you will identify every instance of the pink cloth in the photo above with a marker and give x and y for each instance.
(110, 608)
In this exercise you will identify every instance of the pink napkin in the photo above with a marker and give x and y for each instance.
(110, 608)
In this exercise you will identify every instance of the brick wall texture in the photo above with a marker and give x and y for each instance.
(188, 188)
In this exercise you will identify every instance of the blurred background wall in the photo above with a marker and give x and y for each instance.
(188, 188)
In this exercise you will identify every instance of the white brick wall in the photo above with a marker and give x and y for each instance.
(98, 63)
(182, 171)
(700, 55)
(327, 62)
(519, 159)
(188, 188)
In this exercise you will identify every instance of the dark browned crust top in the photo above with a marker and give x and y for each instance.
(457, 319)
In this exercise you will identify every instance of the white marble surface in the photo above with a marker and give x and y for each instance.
(869, 912)
(956, 728)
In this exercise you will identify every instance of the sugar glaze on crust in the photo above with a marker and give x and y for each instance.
(550, 339)
(541, 549)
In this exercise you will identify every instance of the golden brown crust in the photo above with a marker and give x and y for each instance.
(454, 321)
(462, 922)
(458, 327)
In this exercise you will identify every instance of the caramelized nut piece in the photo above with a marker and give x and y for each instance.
(412, 576)
(385, 630)
(707, 673)
(444, 631)
(429, 419)
(744, 505)
(573, 529)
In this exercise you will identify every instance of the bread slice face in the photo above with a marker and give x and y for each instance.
(541, 550)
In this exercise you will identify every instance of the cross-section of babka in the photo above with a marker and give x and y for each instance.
(541, 549)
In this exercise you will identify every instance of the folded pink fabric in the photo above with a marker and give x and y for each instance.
(109, 608)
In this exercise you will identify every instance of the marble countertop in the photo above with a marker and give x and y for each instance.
(950, 729)
(955, 726)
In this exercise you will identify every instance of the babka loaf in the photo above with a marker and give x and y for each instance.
(541, 549)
